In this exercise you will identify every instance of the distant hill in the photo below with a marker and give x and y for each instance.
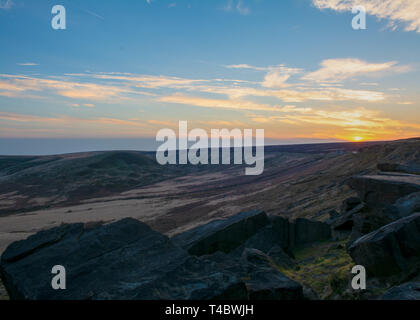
(28, 183)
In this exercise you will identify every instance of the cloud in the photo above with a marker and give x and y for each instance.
(295, 95)
(6, 4)
(246, 66)
(14, 124)
(147, 81)
(93, 14)
(406, 12)
(27, 64)
(342, 124)
(406, 103)
(336, 70)
(238, 6)
(15, 85)
(230, 104)
(216, 103)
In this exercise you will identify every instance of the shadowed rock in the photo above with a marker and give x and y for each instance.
(345, 221)
(281, 258)
(404, 206)
(382, 190)
(406, 291)
(122, 260)
(350, 204)
(267, 283)
(307, 231)
(222, 235)
(391, 249)
(263, 240)
(395, 167)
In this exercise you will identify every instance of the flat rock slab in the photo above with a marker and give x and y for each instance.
(222, 235)
(395, 167)
(391, 249)
(122, 260)
(383, 190)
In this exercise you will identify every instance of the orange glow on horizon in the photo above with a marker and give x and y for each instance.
(358, 139)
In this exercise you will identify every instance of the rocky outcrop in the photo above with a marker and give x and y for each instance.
(345, 221)
(404, 206)
(122, 260)
(406, 291)
(222, 235)
(307, 231)
(281, 258)
(267, 283)
(197, 279)
(383, 190)
(391, 249)
(379, 195)
(395, 167)
(349, 204)
(129, 260)
(251, 230)
(276, 233)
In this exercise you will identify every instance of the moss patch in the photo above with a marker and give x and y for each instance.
(325, 267)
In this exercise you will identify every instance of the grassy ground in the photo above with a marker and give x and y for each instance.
(324, 267)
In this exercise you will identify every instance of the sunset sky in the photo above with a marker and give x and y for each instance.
(126, 69)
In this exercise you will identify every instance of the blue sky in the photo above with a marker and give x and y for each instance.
(125, 69)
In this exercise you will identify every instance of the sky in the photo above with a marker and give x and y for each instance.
(122, 70)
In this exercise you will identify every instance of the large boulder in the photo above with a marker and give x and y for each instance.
(222, 235)
(404, 206)
(282, 233)
(198, 279)
(265, 282)
(395, 167)
(307, 231)
(281, 226)
(263, 240)
(391, 249)
(349, 204)
(122, 260)
(406, 291)
(345, 221)
(274, 234)
(281, 257)
(378, 191)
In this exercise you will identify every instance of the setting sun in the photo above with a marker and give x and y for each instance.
(358, 139)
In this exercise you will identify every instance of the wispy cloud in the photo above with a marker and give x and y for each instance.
(238, 6)
(14, 85)
(342, 124)
(216, 103)
(336, 70)
(27, 64)
(6, 4)
(93, 14)
(405, 12)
